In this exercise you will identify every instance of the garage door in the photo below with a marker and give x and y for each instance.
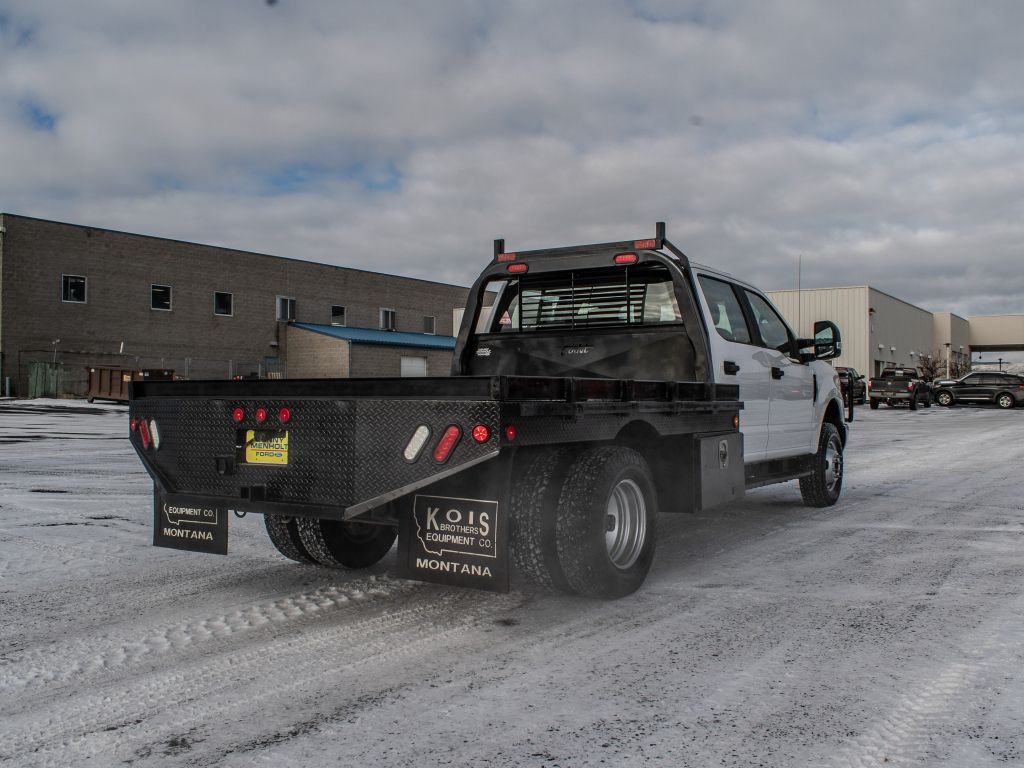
(414, 366)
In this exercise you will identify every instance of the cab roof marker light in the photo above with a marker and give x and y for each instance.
(503, 257)
(645, 245)
(415, 447)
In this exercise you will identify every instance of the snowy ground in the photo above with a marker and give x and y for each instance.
(888, 630)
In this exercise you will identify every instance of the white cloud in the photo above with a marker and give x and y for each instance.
(879, 141)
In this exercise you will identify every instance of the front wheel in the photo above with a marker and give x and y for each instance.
(944, 399)
(607, 522)
(822, 487)
(1005, 400)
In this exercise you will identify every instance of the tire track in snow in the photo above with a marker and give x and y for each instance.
(906, 734)
(64, 731)
(82, 658)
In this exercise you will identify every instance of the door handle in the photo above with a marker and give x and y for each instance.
(778, 373)
(730, 367)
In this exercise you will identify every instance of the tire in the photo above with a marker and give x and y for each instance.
(913, 403)
(607, 522)
(874, 404)
(284, 535)
(928, 400)
(533, 515)
(1005, 400)
(945, 399)
(338, 544)
(822, 487)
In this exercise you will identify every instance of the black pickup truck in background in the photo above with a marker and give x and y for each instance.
(899, 385)
(851, 381)
(594, 391)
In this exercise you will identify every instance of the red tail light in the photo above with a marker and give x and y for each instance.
(510, 431)
(481, 433)
(517, 268)
(144, 433)
(869, 386)
(261, 415)
(449, 440)
(238, 414)
(626, 258)
(284, 415)
(910, 387)
(135, 422)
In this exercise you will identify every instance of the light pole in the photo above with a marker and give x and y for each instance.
(947, 359)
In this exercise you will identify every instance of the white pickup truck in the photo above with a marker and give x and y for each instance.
(592, 386)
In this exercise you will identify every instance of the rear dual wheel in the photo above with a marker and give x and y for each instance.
(587, 522)
(332, 543)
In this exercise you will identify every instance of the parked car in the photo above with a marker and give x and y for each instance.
(900, 385)
(1004, 389)
(860, 387)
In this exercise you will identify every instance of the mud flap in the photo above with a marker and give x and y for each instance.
(179, 523)
(448, 540)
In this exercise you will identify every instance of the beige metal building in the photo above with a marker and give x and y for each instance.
(879, 329)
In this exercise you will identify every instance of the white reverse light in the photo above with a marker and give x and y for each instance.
(419, 439)
(154, 434)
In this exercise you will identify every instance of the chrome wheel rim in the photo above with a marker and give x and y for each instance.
(1004, 401)
(625, 524)
(833, 466)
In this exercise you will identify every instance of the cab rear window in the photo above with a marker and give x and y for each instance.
(642, 295)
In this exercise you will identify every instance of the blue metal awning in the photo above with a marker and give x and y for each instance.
(379, 337)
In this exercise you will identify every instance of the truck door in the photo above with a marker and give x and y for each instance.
(791, 418)
(733, 351)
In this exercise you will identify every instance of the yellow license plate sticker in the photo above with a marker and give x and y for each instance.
(266, 447)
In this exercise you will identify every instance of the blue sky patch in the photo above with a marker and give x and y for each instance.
(38, 117)
(303, 176)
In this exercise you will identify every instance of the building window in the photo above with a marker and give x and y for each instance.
(285, 308)
(160, 297)
(387, 319)
(72, 288)
(414, 366)
(223, 304)
(337, 315)
(429, 323)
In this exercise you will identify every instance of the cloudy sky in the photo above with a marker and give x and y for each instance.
(879, 141)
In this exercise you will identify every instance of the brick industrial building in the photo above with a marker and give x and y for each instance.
(80, 296)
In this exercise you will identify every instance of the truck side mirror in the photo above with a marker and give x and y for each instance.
(828, 342)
